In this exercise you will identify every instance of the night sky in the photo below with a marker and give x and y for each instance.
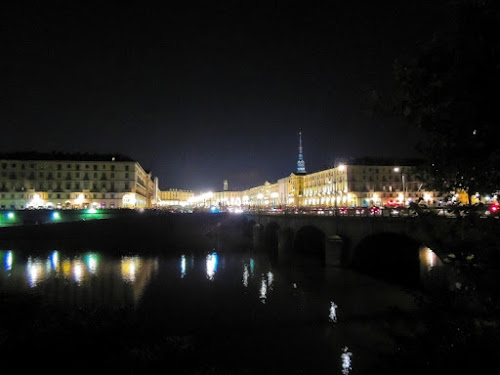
(200, 92)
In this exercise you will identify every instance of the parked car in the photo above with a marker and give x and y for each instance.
(343, 211)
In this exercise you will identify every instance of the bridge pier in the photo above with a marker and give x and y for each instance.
(285, 242)
(258, 236)
(334, 247)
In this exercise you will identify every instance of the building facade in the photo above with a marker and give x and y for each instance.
(357, 185)
(175, 197)
(30, 180)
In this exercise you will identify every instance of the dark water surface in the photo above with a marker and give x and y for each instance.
(216, 312)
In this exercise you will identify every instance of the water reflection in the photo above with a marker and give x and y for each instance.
(54, 260)
(246, 275)
(212, 261)
(433, 272)
(92, 263)
(129, 267)
(8, 260)
(77, 271)
(270, 279)
(183, 266)
(249, 294)
(333, 312)
(345, 358)
(33, 271)
(263, 290)
(82, 275)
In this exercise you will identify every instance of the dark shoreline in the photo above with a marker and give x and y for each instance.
(147, 232)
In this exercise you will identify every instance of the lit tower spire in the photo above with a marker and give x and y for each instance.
(301, 164)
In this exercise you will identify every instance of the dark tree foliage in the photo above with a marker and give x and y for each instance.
(451, 92)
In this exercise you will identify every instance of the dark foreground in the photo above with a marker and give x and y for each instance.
(407, 330)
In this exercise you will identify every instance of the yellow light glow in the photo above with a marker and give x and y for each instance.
(129, 268)
(80, 199)
(66, 267)
(36, 201)
(341, 167)
(129, 199)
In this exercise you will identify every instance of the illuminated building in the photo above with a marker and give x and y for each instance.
(349, 185)
(174, 197)
(37, 180)
(365, 185)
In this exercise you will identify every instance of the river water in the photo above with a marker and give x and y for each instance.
(210, 312)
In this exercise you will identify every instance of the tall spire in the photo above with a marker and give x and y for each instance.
(301, 164)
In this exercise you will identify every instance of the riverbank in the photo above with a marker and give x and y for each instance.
(148, 231)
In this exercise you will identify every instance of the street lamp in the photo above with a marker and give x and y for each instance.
(397, 170)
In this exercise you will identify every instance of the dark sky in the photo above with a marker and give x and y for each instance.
(202, 92)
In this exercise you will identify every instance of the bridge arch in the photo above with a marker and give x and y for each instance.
(310, 240)
(271, 237)
(388, 255)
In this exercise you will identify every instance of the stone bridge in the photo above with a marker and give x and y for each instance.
(337, 240)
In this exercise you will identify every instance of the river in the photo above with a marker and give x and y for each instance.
(213, 311)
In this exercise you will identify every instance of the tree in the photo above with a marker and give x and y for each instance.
(451, 91)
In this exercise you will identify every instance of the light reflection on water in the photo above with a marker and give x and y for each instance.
(123, 279)
(219, 290)
(212, 262)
